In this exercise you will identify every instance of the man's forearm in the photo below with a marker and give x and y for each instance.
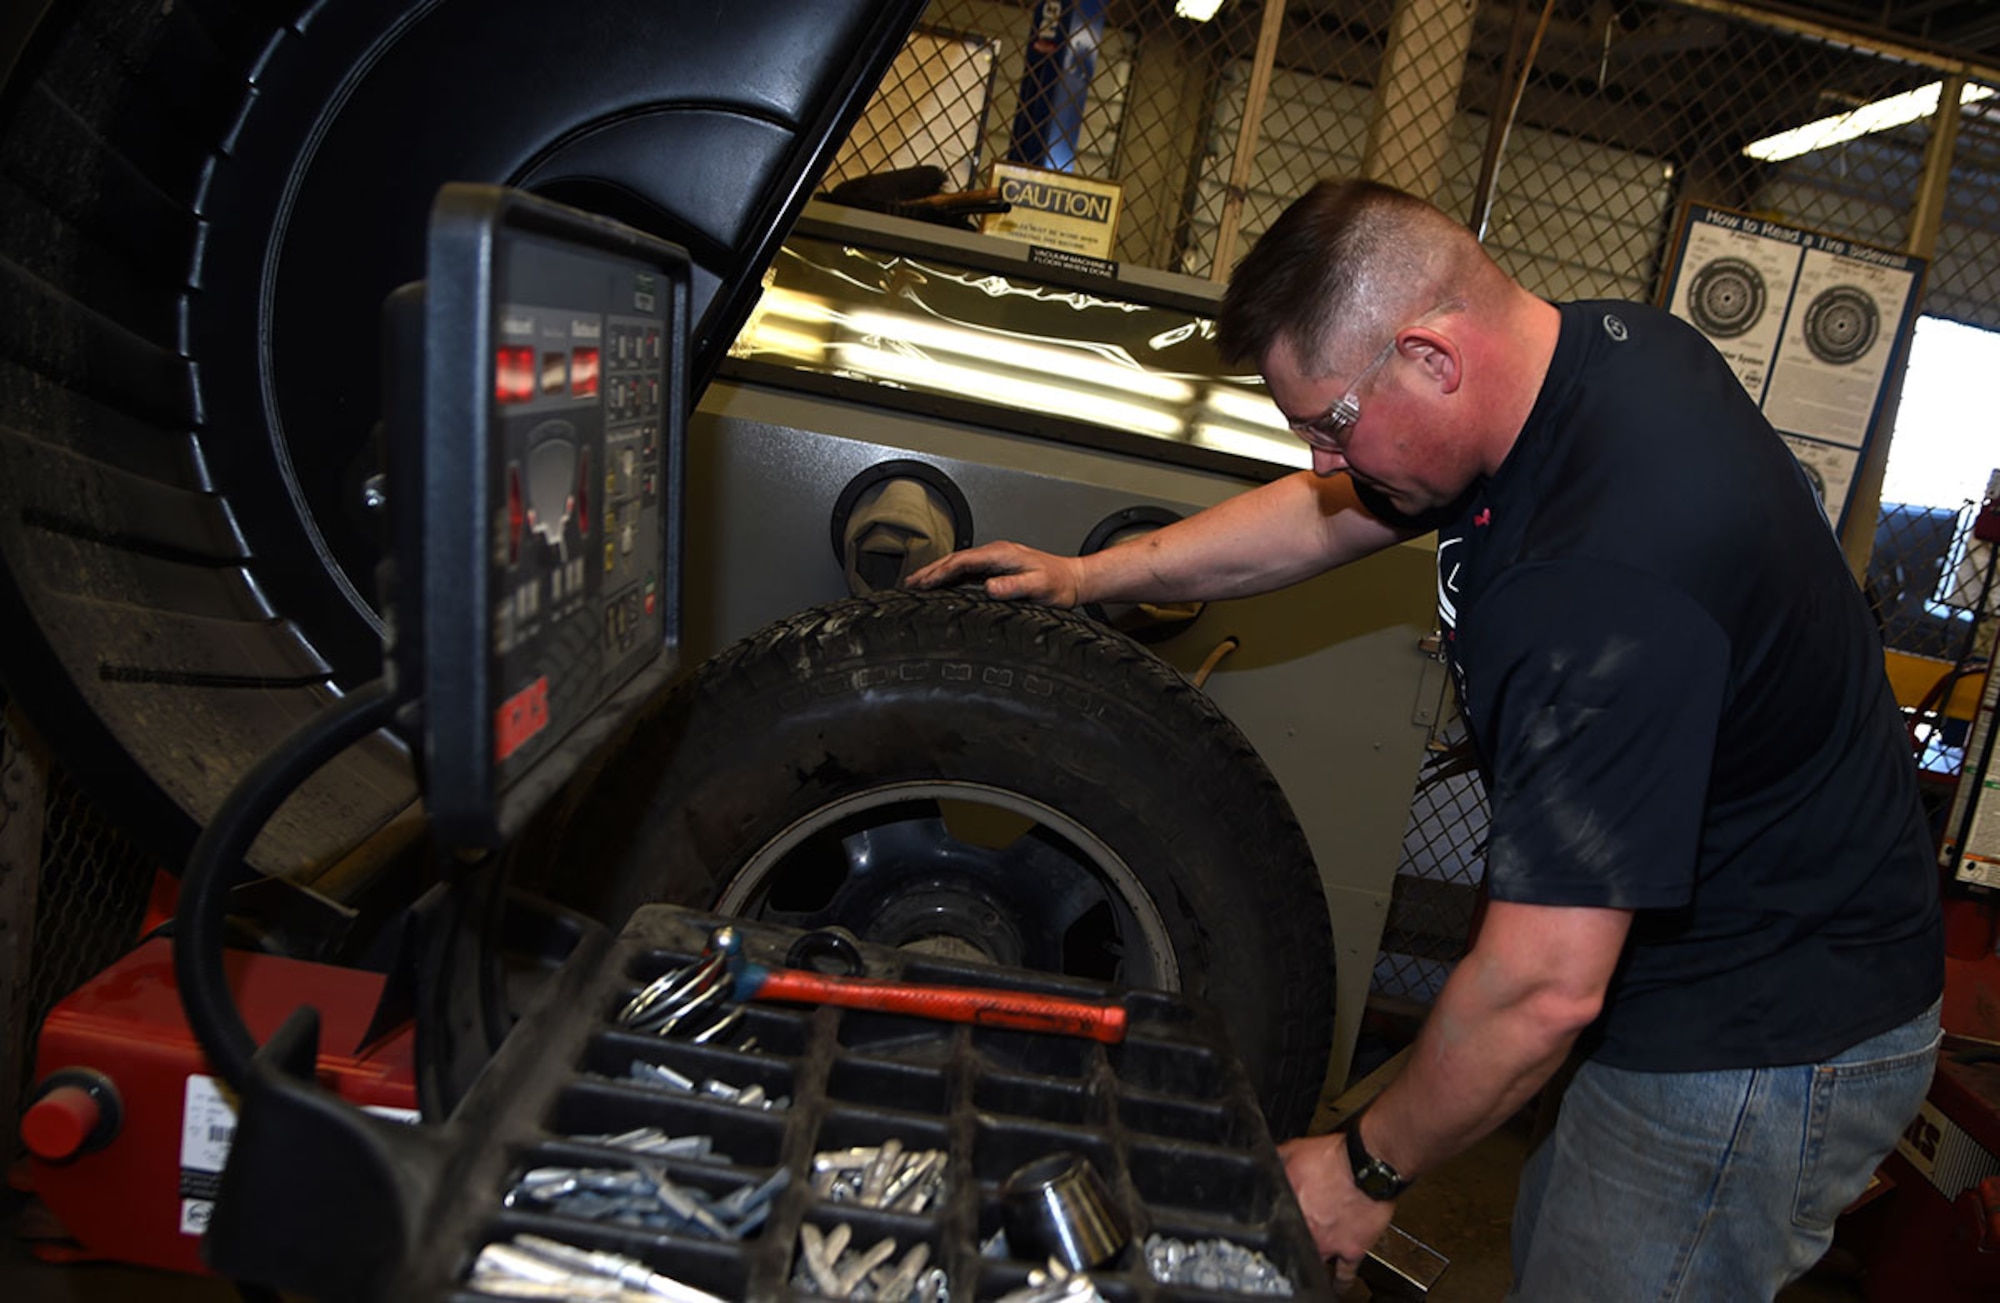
(1501, 1027)
(1459, 1086)
(1272, 536)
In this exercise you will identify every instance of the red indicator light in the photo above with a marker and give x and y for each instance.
(583, 372)
(513, 375)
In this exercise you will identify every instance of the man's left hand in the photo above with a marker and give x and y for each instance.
(1345, 1223)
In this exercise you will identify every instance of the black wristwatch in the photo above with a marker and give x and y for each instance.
(1372, 1176)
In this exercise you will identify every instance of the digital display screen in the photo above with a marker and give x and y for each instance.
(514, 375)
(578, 521)
(583, 372)
(542, 448)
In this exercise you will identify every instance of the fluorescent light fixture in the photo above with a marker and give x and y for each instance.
(767, 338)
(1249, 443)
(1199, 10)
(1245, 408)
(1881, 115)
(795, 306)
(1072, 364)
(1028, 395)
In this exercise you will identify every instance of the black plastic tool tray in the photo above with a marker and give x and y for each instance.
(1167, 1117)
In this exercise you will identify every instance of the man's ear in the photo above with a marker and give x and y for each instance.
(1437, 354)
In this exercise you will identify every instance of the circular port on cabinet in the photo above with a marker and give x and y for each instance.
(1146, 621)
(896, 517)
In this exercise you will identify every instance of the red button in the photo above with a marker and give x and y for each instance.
(60, 1121)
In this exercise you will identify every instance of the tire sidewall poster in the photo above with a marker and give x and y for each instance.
(1811, 324)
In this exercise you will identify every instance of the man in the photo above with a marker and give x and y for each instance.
(1707, 867)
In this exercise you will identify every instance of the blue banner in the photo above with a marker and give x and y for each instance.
(1062, 57)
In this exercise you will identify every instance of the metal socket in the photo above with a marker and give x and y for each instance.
(1058, 1207)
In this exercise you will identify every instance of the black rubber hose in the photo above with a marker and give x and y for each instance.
(215, 865)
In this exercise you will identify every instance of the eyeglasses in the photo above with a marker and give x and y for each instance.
(1328, 432)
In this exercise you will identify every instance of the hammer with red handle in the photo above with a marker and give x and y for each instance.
(983, 1006)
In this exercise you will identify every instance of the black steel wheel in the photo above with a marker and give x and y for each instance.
(965, 870)
(986, 781)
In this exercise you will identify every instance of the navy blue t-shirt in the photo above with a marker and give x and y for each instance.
(1677, 694)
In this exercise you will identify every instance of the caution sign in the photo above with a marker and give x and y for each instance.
(1055, 210)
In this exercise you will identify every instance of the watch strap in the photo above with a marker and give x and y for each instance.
(1373, 1177)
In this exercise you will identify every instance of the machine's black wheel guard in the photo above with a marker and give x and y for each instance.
(985, 780)
(202, 207)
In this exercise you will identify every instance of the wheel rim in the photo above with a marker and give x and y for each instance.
(964, 871)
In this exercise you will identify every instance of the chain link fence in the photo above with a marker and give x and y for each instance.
(82, 911)
(1936, 591)
(1570, 134)
(1435, 896)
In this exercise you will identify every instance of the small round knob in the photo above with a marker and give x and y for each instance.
(77, 1112)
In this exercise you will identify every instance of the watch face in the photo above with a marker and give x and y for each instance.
(1376, 1181)
(1372, 1176)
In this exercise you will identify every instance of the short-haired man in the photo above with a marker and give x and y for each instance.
(1708, 871)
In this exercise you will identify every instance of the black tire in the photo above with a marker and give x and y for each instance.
(986, 780)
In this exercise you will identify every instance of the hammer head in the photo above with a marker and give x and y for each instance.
(737, 972)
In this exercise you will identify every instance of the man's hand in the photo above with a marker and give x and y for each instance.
(1345, 1223)
(1010, 571)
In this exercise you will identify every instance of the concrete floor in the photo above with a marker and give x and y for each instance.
(23, 1279)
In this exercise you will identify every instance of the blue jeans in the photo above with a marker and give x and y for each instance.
(1709, 1187)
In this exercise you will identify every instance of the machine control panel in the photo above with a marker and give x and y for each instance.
(538, 533)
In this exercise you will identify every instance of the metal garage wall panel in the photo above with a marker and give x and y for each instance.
(1325, 134)
(1964, 281)
(1577, 220)
(1862, 190)
(1961, 287)
(1574, 220)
